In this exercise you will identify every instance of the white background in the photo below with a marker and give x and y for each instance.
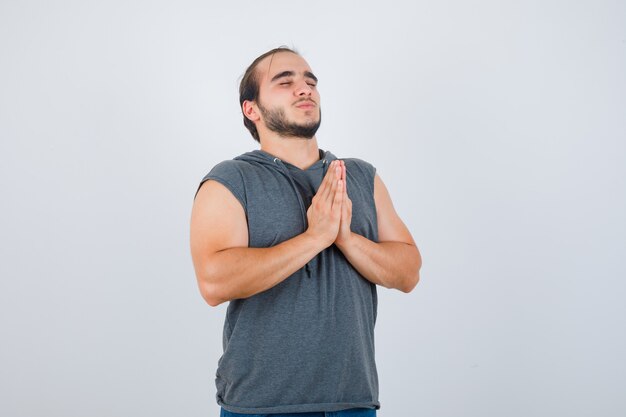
(499, 128)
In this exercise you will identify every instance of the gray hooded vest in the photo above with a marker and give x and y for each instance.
(306, 344)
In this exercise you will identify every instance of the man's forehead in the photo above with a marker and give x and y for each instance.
(283, 61)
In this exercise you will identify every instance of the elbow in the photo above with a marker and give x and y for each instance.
(407, 279)
(414, 277)
(213, 302)
(210, 294)
(209, 287)
(411, 280)
(410, 283)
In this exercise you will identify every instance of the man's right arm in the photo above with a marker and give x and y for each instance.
(226, 268)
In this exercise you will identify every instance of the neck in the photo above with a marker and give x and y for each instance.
(297, 151)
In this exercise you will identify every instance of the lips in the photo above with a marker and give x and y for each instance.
(307, 104)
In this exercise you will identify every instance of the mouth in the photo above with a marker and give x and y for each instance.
(306, 104)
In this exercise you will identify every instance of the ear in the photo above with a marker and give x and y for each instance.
(250, 110)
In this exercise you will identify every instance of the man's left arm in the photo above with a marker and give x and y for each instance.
(394, 261)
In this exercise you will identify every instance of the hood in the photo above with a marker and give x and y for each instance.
(265, 158)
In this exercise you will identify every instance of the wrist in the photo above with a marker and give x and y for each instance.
(344, 241)
(316, 241)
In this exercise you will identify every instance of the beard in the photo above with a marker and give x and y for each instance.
(277, 122)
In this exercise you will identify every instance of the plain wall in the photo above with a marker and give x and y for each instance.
(498, 127)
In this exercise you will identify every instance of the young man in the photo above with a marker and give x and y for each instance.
(296, 240)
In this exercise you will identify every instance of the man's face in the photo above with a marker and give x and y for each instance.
(288, 99)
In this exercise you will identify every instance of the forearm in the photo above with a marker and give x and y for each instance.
(390, 264)
(241, 272)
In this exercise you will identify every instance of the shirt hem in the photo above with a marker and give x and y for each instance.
(299, 408)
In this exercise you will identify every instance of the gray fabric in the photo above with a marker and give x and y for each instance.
(306, 344)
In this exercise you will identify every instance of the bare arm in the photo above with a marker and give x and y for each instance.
(395, 261)
(226, 268)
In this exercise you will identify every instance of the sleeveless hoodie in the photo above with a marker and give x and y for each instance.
(306, 344)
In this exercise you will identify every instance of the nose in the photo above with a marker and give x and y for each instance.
(303, 89)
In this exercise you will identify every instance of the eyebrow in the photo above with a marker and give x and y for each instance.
(307, 74)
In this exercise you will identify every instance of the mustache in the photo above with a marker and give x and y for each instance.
(302, 100)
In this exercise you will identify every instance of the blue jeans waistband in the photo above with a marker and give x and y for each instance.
(352, 412)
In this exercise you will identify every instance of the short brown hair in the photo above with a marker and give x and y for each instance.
(249, 87)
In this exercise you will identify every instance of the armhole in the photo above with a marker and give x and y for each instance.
(373, 168)
(373, 178)
(233, 190)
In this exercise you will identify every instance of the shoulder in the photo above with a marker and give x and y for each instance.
(227, 169)
(229, 173)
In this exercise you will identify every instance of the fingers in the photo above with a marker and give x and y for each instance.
(324, 187)
(332, 191)
(338, 197)
(340, 175)
(344, 206)
(341, 185)
(328, 187)
(327, 207)
(346, 210)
